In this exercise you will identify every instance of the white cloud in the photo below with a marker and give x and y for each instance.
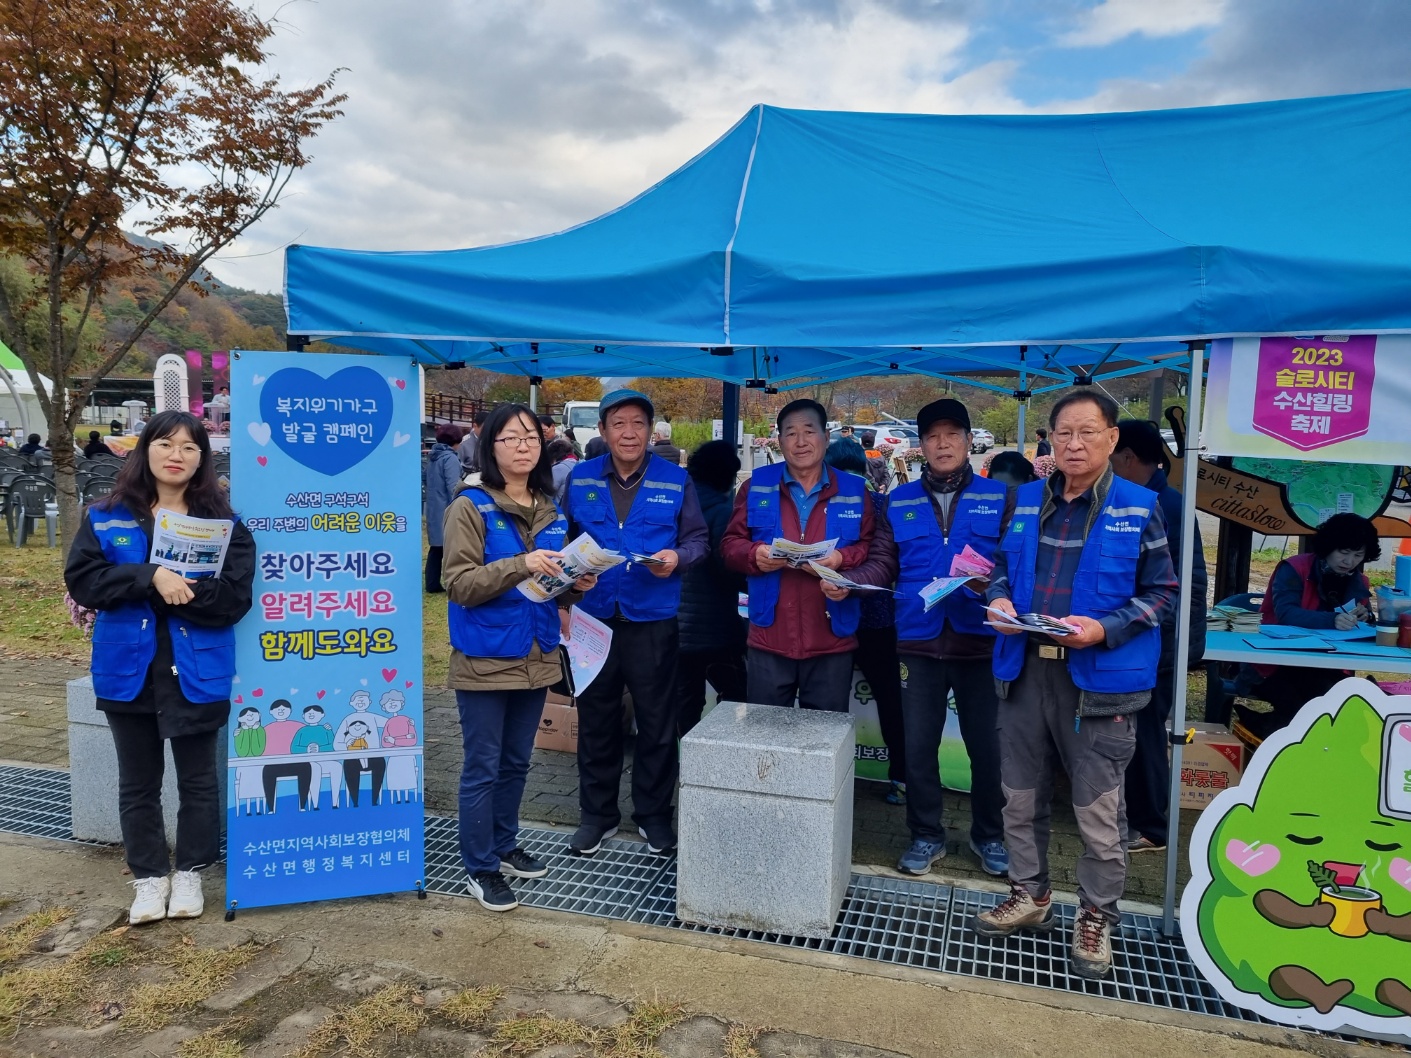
(1114, 20)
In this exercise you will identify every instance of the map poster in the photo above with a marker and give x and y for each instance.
(1335, 397)
(1283, 497)
(325, 739)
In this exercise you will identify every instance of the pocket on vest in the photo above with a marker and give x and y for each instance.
(115, 650)
(1117, 570)
(214, 661)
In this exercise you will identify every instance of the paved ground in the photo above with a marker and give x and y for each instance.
(394, 977)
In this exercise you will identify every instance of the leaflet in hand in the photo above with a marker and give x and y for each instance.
(580, 557)
(193, 547)
(796, 553)
(587, 644)
(970, 563)
(1031, 622)
(832, 576)
(939, 588)
(647, 560)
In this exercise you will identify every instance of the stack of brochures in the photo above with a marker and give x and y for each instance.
(1232, 619)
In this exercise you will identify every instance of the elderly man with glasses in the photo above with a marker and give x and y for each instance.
(1087, 548)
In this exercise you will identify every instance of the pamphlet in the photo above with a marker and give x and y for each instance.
(796, 554)
(832, 576)
(970, 563)
(587, 645)
(646, 560)
(1031, 622)
(193, 547)
(580, 557)
(939, 588)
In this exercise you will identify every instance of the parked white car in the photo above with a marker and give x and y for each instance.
(981, 440)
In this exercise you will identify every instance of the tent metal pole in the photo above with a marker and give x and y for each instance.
(730, 412)
(1023, 403)
(19, 404)
(1183, 628)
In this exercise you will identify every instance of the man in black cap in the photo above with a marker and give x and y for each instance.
(638, 504)
(801, 635)
(947, 649)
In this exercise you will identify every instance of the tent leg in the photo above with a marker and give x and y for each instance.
(533, 397)
(1183, 629)
(730, 412)
(1019, 441)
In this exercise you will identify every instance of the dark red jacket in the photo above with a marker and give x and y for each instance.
(800, 629)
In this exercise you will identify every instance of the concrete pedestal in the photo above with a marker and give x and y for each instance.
(765, 823)
(93, 772)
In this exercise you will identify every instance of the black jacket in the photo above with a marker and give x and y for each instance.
(222, 601)
(709, 616)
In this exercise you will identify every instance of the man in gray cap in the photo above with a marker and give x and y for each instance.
(638, 504)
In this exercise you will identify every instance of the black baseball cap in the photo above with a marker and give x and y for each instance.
(947, 409)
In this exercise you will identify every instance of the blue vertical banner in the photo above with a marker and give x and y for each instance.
(326, 731)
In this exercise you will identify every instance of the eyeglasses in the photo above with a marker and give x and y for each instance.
(1083, 437)
(186, 451)
(518, 442)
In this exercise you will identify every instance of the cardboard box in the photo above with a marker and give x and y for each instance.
(1213, 762)
(558, 727)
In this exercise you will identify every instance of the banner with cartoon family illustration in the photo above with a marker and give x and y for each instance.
(326, 733)
(1299, 904)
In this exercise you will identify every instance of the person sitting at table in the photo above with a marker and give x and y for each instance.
(1322, 589)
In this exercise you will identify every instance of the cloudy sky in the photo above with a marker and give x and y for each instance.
(480, 121)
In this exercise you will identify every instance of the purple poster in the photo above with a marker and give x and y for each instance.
(1311, 392)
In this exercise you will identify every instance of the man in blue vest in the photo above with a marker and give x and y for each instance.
(1088, 548)
(801, 634)
(635, 503)
(946, 650)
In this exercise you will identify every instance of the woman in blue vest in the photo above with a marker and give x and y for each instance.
(500, 532)
(163, 655)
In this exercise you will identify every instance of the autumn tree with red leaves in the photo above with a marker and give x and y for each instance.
(149, 113)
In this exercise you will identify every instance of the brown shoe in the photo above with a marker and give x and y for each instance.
(1092, 944)
(1020, 911)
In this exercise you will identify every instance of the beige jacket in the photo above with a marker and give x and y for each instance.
(469, 582)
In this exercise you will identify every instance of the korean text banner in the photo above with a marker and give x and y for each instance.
(326, 731)
(1330, 397)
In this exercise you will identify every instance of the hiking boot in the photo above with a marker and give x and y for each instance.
(1142, 843)
(661, 839)
(589, 838)
(918, 858)
(994, 857)
(186, 899)
(1092, 944)
(519, 864)
(493, 892)
(150, 903)
(1020, 911)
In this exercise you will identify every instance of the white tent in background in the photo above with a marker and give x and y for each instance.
(19, 405)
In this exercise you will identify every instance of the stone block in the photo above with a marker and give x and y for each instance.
(765, 820)
(93, 772)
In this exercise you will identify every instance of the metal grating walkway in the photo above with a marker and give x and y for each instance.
(891, 920)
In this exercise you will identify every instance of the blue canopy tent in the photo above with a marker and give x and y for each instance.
(805, 246)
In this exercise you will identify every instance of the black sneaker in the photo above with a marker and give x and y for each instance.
(661, 839)
(519, 864)
(493, 892)
(589, 838)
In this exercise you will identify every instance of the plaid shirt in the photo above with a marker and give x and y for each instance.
(1063, 529)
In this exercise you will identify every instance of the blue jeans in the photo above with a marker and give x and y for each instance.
(497, 731)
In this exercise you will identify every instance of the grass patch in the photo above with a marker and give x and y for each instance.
(534, 1032)
(213, 1043)
(739, 1042)
(195, 974)
(18, 938)
(470, 1008)
(354, 1029)
(635, 1038)
(43, 990)
(36, 621)
(435, 641)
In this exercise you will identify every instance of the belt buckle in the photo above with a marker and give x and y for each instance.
(1052, 651)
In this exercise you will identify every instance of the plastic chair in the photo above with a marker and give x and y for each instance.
(1219, 691)
(30, 501)
(95, 488)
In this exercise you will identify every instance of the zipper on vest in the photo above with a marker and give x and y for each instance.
(183, 636)
(144, 624)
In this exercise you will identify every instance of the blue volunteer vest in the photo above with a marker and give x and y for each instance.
(508, 625)
(844, 521)
(650, 527)
(1106, 579)
(976, 516)
(125, 638)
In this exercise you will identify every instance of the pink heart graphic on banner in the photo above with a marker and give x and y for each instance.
(239, 698)
(409, 683)
(258, 692)
(321, 694)
(1404, 731)
(399, 383)
(389, 674)
(1253, 860)
(262, 460)
(1401, 872)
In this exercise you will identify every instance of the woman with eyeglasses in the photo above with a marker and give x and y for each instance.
(500, 532)
(163, 655)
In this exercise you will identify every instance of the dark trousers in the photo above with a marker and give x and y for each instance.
(302, 774)
(497, 733)
(433, 569)
(353, 769)
(1148, 782)
(141, 764)
(924, 693)
(876, 656)
(723, 668)
(820, 683)
(643, 659)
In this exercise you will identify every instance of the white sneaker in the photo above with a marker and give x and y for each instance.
(186, 898)
(150, 903)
